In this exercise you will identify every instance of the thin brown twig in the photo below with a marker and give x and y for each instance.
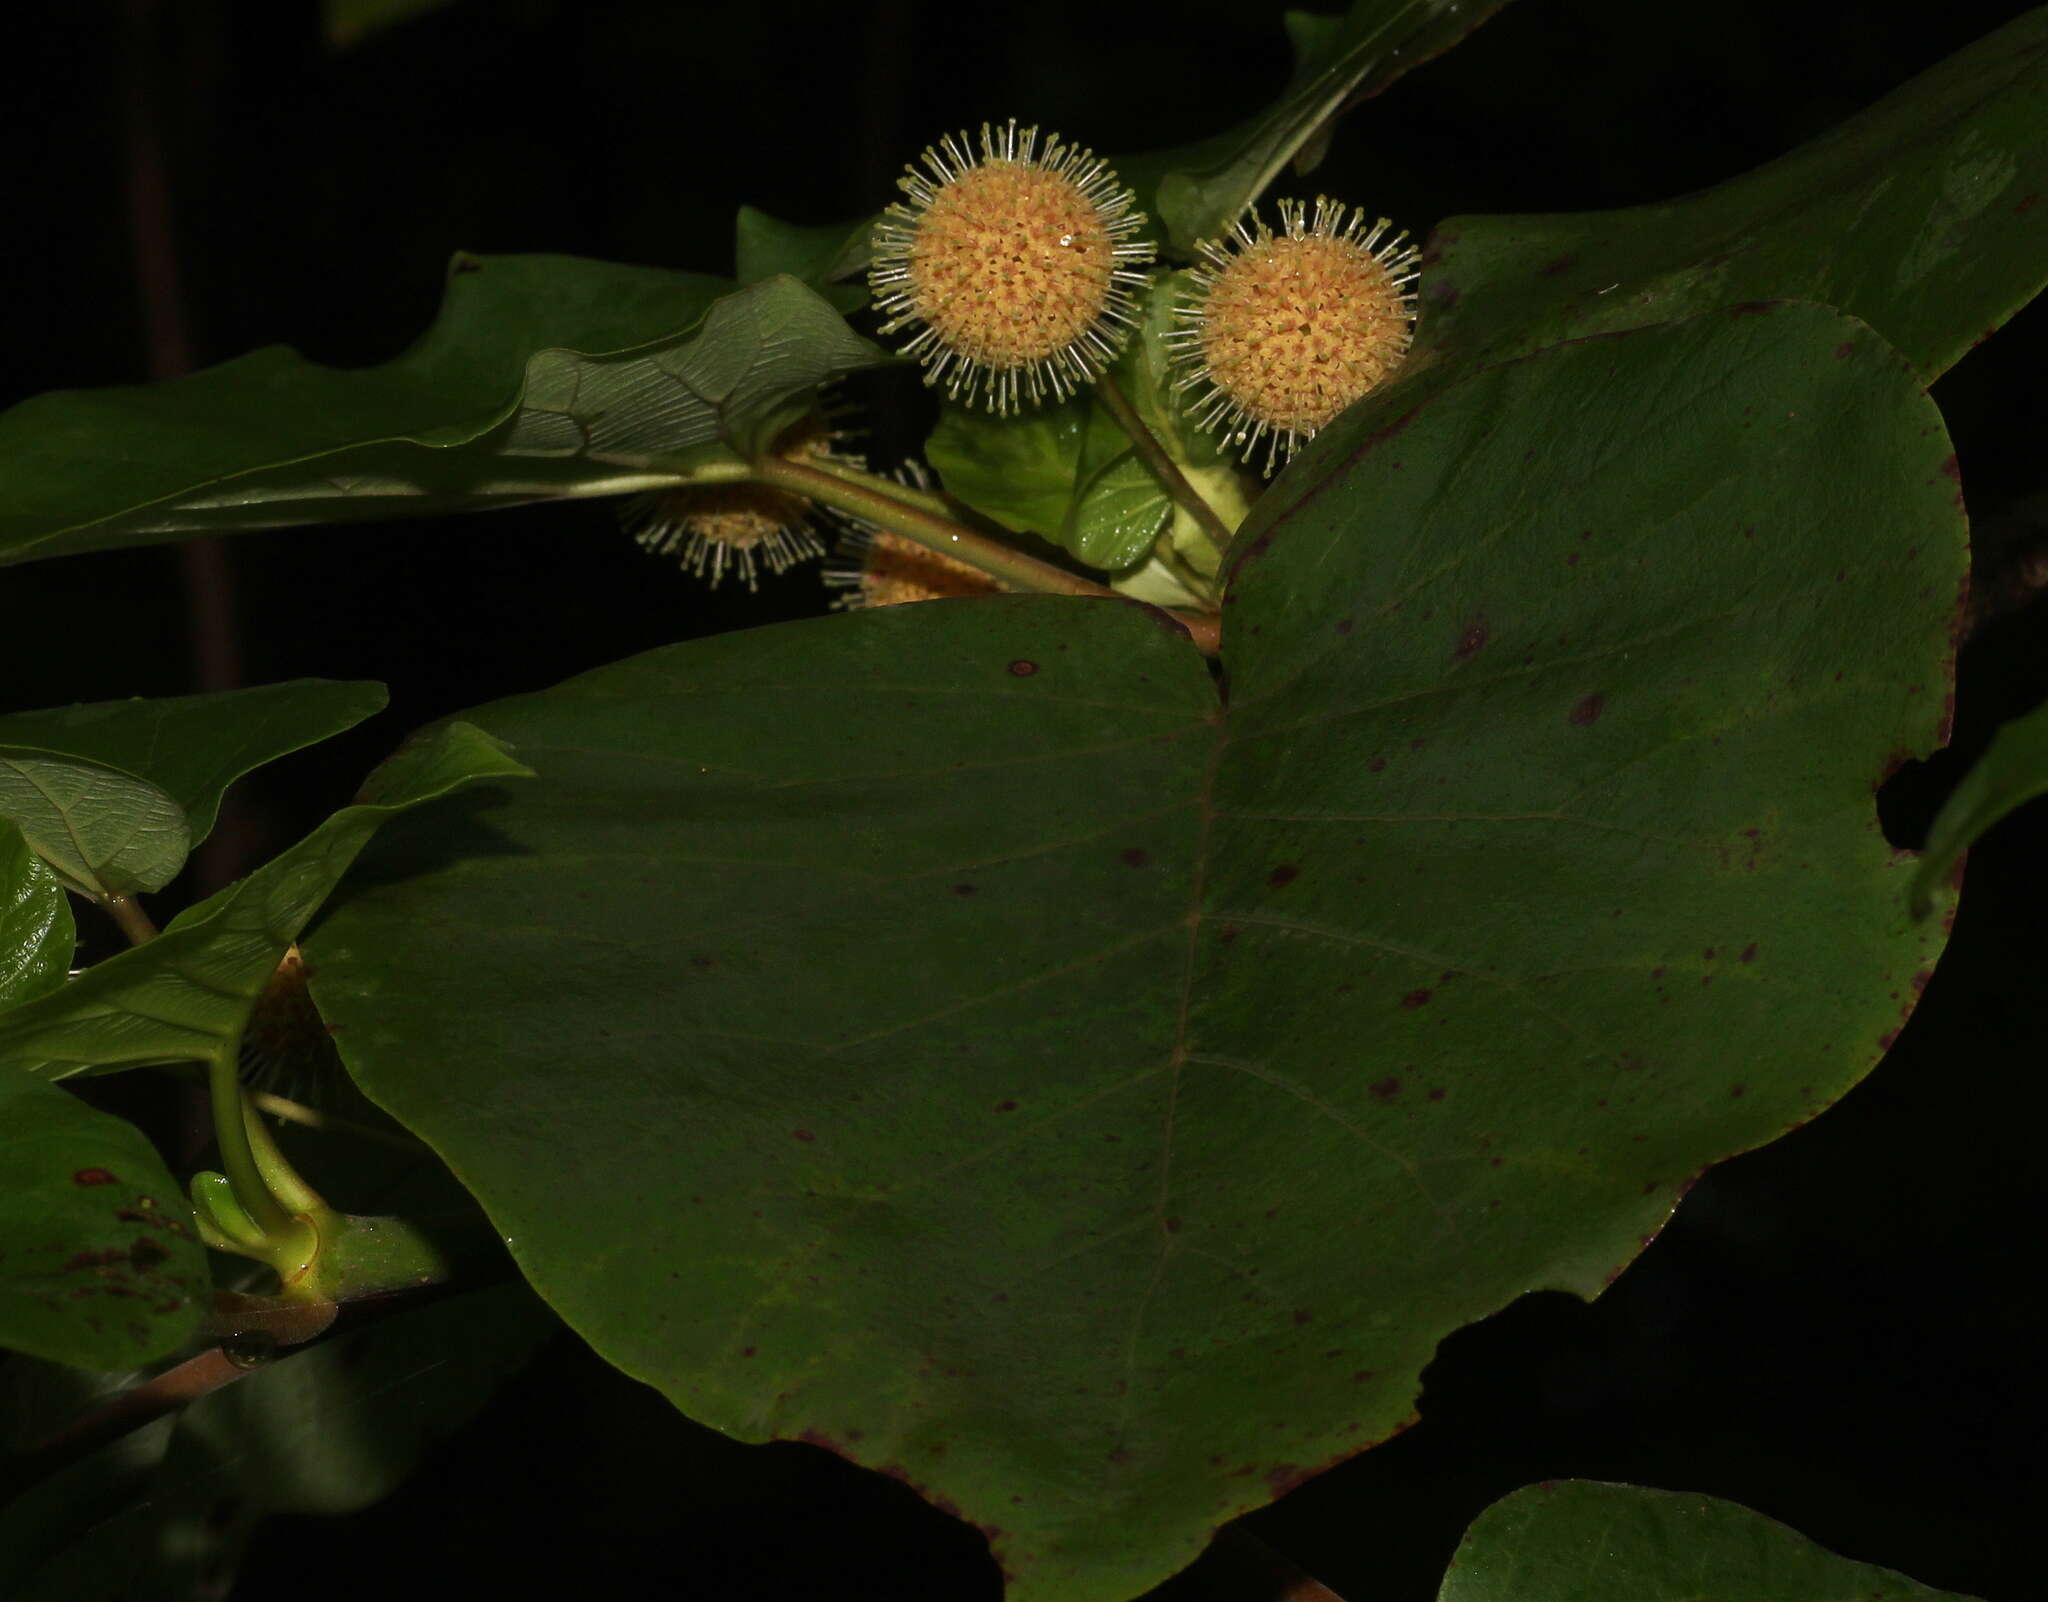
(128, 1412)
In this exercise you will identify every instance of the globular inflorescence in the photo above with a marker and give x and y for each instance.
(740, 527)
(1016, 267)
(716, 529)
(1283, 331)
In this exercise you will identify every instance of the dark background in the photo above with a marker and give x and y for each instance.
(1838, 1330)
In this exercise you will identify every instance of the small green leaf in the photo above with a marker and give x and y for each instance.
(1925, 216)
(821, 257)
(1018, 471)
(100, 1267)
(1581, 1541)
(1196, 190)
(103, 832)
(543, 376)
(36, 932)
(2012, 772)
(1119, 507)
(184, 995)
(1070, 473)
(194, 746)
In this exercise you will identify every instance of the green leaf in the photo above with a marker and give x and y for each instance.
(36, 932)
(100, 1266)
(1196, 191)
(817, 256)
(1070, 473)
(754, 368)
(1066, 472)
(103, 832)
(2012, 772)
(1579, 1541)
(194, 746)
(975, 1047)
(1926, 216)
(543, 376)
(185, 995)
(329, 1429)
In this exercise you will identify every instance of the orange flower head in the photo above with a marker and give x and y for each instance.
(1284, 331)
(1016, 267)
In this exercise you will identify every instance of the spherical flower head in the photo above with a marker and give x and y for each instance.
(716, 529)
(1016, 267)
(738, 528)
(1283, 331)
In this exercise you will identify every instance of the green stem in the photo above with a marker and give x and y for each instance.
(279, 1177)
(231, 1134)
(889, 506)
(1163, 466)
(909, 494)
(127, 912)
(937, 533)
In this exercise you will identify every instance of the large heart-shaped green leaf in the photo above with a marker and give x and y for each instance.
(1926, 216)
(1579, 1541)
(954, 1035)
(184, 996)
(544, 376)
(193, 747)
(100, 1266)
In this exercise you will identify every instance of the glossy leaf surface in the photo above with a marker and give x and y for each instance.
(995, 1058)
(99, 1264)
(544, 375)
(1926, 216)
(184, 995)
(1579, 1541)
(36, 931)
(194, 746)
(1070, 473)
